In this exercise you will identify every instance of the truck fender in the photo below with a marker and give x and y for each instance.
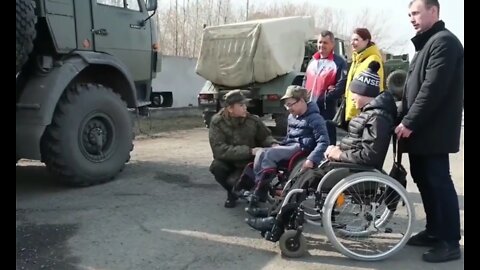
(126, 87)
(39, 96)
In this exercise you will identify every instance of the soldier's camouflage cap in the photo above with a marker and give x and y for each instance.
(235, 96)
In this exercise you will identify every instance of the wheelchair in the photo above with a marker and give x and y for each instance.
(365, 213)
(285, 170)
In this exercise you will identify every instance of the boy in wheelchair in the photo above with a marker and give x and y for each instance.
(306, 133)
(363, 148)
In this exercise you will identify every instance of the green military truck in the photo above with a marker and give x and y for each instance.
(80, 66)
(260, 57)
(396, 68)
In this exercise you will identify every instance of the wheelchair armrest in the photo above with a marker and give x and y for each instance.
(351, 166)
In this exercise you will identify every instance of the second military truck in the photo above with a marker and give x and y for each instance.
(260, 57)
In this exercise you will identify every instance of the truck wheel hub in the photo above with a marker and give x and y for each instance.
(96, 138)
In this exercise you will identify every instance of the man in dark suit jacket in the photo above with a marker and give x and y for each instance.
(431, 116)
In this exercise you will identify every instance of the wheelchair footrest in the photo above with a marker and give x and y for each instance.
(273, 235)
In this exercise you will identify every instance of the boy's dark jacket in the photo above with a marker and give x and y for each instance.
(369, 133)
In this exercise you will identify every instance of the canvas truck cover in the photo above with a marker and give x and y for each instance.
(238, 54)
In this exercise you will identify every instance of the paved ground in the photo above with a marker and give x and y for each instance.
(165, 211)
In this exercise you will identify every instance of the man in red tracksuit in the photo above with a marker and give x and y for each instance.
(325, 79)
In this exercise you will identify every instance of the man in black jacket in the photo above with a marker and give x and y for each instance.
(430, 127)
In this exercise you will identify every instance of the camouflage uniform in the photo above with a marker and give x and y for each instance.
(232, 140)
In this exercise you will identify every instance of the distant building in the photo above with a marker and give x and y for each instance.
(178, 76)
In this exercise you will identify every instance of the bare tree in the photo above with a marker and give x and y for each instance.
(332, 20)
(219, 11)
(181, 25)
(117, 3)
(209, 14)
(380, 28)
(176, 27)
(195, 29)
(281, 10)
(182, 31)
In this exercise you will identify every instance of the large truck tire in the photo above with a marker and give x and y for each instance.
(395, 83)
(90, 137)
(26, 32)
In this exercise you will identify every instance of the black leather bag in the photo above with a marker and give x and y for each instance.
(398, 173)
(339, 118)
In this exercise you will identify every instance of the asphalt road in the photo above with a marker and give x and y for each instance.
(165, 211)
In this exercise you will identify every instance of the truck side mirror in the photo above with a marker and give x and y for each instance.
(151, 5)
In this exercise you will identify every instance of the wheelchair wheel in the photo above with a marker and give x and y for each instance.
(292, 246)
(381, 221)
(311, 211)
(358, 222)
(297, 167)
(295, 170)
